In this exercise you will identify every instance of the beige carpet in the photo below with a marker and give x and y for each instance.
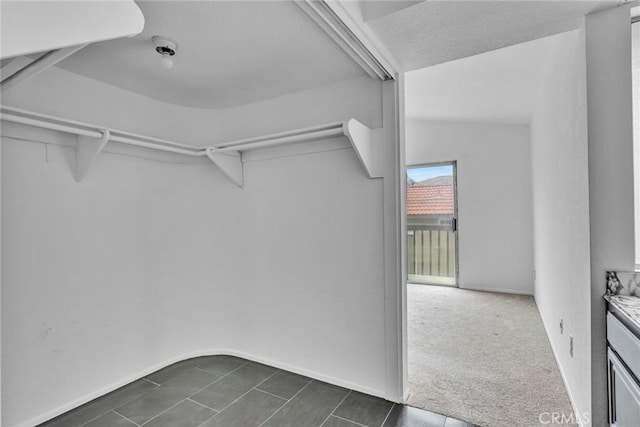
(481, 357)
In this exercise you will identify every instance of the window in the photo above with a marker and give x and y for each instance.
(431, 233)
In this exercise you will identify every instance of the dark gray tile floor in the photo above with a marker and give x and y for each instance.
(226, 391)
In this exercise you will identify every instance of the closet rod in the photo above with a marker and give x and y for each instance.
(227, 156)
(17, 115)
(273, 140)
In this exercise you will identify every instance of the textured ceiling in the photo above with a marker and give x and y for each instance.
(230, 53)
(375, 9)
(237, 52)
(497, 86)
(432, 32)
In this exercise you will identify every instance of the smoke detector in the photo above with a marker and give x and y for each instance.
(166, 47)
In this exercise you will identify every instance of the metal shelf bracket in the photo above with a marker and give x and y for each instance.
(87, 150)
(229, 162)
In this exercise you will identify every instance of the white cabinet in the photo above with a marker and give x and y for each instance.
(624, 394)
(625, 343)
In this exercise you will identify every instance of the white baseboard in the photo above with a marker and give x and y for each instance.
(308, 373)
(108, 389)
(499, 290)
(562, 373)
(284, 366)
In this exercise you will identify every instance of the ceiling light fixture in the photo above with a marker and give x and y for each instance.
(166, 47)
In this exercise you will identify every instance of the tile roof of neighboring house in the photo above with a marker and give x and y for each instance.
(430, 200)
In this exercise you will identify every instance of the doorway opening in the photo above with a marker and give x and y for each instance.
(432, 244)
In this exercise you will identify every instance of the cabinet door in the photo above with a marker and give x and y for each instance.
(624, 395)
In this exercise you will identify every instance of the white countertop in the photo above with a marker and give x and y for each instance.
(627, 305)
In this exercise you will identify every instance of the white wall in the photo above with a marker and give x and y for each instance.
(97, 103)
(561, 211)
(608, 53)
(146, 261)
(494, 198)
(96, 276)
(635, 43)
(498, 86)
(1, 400)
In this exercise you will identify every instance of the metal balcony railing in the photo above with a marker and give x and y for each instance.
(431, 250)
